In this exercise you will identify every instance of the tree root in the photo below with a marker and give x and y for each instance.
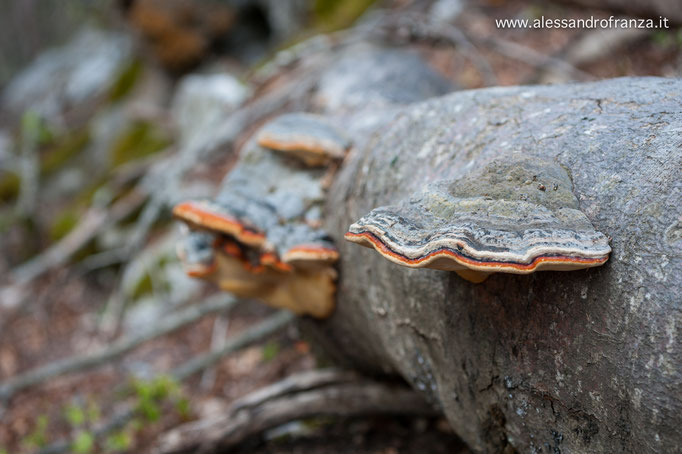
(304, 395)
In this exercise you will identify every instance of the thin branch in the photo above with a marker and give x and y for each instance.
(254, 334)
(89, 227)
(306, 395)
(532, 57)
(80, 363)
(218, 335)
(303, 381)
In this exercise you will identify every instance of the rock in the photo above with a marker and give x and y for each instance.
(202, 101)
(68, 76)
(584, 361)
(367, 77)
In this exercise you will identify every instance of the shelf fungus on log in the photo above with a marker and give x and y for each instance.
(295, 274)
(256, 238)
(517, 216)
(307, 137)
(207, 215)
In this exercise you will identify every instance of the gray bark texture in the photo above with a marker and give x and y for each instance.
(584, 361)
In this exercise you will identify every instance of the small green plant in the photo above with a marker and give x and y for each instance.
(119, 441)
(81, 417)
(75, 415)
(83, 443)
(152, 394)
(78, 415)
(270, 351)
(183, 408)
(34, 128)
(38, 437)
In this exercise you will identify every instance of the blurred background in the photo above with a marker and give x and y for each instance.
(112, 111)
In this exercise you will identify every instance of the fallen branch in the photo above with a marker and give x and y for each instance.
(80, 363)
(253, 335)
(60, 253)
(303, 381)
(218, 335)
(419, 27)
(306, 395)
(532, 57)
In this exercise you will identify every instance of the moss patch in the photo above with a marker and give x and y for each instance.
(330, 15)
(126, 81)
(140, 140)
(9, 186)
(64, 149)
(63, 224)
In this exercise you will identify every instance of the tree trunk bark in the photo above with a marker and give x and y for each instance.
(584, 361)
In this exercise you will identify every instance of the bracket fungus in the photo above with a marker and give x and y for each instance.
(256, 239)
(207, 215)
(296, 275)
(305, 136)
(495, 220)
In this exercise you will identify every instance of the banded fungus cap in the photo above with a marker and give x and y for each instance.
(303, 247)
(305, 136)
(210, 216)
(448, 227)
(287, 266)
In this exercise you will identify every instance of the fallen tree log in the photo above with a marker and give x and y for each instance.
(489, 183)
(585, 361)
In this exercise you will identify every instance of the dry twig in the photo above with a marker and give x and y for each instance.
(90, 225)
(80, 363)
(253, 335)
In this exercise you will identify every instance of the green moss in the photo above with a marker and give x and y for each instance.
(140, 140)
(52, 158)
(126, 81)
(9, 186)
(64, 149)
(8, 217)
(35, 129)
(143, 287)
(270, 351)
(330, 15)
(63, 224)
